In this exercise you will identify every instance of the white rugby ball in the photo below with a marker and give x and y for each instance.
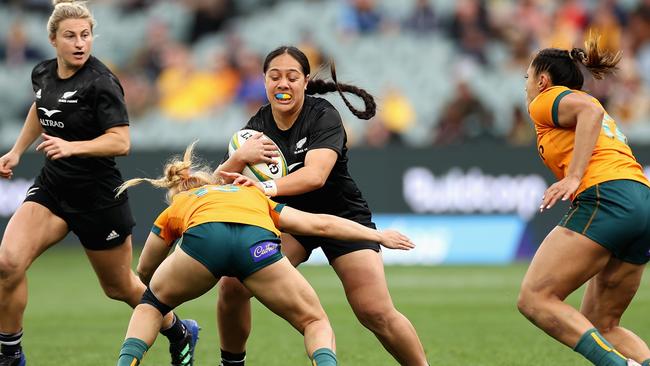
(261, 171)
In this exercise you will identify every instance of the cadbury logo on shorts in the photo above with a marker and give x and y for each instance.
(263, 250)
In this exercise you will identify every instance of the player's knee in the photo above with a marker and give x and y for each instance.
(116, 292)
(232, 291)
(375, 317)
(10, 268)
(149, 298)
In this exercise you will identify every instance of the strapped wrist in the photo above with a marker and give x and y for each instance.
(270, 188)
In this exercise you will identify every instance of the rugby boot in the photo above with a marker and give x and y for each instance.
(14, 360)
(183, 352)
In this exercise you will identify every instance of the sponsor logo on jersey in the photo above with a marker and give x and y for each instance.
(51, 123)
(263, 250)
(38, 94)
(48, 113)
(112, 235)
(65, 98)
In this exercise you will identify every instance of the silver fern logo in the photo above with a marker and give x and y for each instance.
(301, 143)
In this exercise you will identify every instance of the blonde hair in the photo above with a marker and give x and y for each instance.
(179, 175)
(68, 9)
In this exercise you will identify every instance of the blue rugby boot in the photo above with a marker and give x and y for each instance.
(183, 352)
(14, 360)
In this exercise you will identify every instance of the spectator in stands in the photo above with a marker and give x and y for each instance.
(422, 18)
(209, 16)
(360, 17)
(16, 49)
(225, 78)
(469, 27)
(149, 58)
(522, 132)
(250, 93)
(396, 112)
(186, 92)
(463, 118)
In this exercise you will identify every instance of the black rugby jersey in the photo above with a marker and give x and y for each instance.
(318, 126)
(79, 108)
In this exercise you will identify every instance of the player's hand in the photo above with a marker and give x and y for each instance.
(395, 240)
(258, 149)
(239, 179)
(55, 148)
(561, 190)
(7, 162)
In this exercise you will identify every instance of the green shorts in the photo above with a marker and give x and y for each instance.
(616, 215)
(229, 249)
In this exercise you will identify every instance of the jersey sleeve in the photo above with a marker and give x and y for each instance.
(162, 228)
(37, 73)
(274, 210)
(110, 107)
(544, 110)
(328, 131)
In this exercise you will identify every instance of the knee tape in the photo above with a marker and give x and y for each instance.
(149, 298)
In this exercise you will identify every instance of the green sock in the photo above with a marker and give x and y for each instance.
(133, 349)
(646, 362)
(596, 349)
(324, 357)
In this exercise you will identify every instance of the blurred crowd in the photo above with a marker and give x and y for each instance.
(162, 74)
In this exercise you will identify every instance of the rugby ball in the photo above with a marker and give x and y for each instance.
(261, 171)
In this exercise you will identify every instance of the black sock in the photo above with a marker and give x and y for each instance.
(232, 359)
(176, 332)
(10, 343)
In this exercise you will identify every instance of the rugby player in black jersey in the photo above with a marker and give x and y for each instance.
(80, 115)
(309, 132)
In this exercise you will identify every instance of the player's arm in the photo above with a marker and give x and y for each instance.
(580, 112)
(322, 225)
(115, 141)
(154, 252)
(29, 133)
(318, 166)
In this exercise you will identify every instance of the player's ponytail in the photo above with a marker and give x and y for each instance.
(563, 65)
(599, 62)
(320, 86)
(68, 9)
(179, 175)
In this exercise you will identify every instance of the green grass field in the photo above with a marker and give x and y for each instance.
(464, 316)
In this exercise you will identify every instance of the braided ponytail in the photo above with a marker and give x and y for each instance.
(179, 176)
(319, 86)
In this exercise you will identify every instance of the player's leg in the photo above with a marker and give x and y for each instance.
(234, 312)
(282, 289)
(168, 289)
(564, 262)
(362, 275)
(31, 230)
(607, 296)
(106, 236)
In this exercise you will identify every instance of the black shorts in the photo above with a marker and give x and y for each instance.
(102, 229)
(334, 248)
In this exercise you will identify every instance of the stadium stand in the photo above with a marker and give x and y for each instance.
(486, 42)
